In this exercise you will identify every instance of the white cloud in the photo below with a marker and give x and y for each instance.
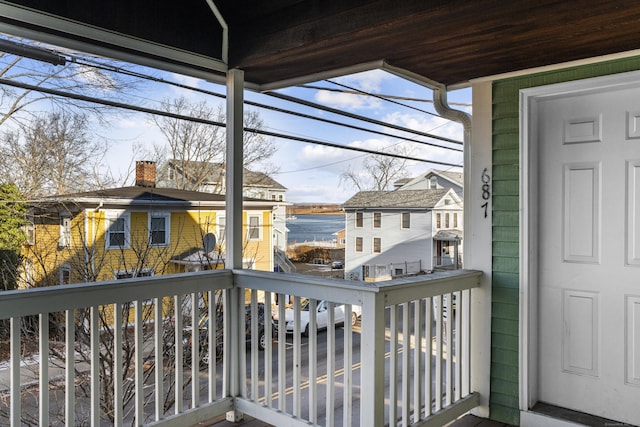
(369, 81)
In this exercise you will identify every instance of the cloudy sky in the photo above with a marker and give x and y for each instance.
(311, 172)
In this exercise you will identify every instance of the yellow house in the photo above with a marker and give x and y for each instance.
(137, 231)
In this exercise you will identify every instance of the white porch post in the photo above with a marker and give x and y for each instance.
(373, 356)
(478, 189)
(234, 368)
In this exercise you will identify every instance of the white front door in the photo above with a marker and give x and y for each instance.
(589, 251)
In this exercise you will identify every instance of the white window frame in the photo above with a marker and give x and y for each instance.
(30, 231)
(402, 214)
(64, 241)
(251, 227)
(109, 218)
(221, 226)
(373, 245)
(355, 248)
(373, 219)
(65, 268)
(167, 228)
(359, 215)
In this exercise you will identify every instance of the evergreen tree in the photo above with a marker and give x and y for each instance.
(12, 219)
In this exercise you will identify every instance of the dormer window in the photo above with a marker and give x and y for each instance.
(433, 182)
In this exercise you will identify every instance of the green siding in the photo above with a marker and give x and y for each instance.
(505, 202)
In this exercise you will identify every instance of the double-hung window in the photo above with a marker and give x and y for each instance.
(64, 241)
(159, 228)
(358, 244)
(65, 274)
(377, 244)
(254, 228)
(406, 220)
(358, 219)
(221, 221)
(377, 219)
(117, 233)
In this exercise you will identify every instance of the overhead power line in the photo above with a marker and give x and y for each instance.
(280, 110)
(130, 107)
(358, 117)
(380, 95)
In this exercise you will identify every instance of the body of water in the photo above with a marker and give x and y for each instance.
(314, 227)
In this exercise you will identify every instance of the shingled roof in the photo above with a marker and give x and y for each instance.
(395, 199)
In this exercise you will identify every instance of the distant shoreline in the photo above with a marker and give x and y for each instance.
(315, 209)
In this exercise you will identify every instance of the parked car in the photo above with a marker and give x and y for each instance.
(337, 265)
(321, 316)
(203, 328)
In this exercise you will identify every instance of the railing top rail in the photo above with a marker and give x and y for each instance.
(411, 288)
(59, 298)
(66, 297)
(395, 291)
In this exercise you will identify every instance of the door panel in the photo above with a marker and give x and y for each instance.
(589, 253)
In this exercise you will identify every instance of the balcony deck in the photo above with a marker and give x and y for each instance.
(465, 421)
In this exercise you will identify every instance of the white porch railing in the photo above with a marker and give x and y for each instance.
(406, 362)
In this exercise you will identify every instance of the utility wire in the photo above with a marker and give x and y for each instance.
(115, 104)
(359, 92)
(284, 111)
(382, 98)
(358, 117)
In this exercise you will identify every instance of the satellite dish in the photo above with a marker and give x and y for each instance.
(209, 242)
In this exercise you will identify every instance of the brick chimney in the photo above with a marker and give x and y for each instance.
(145, 173)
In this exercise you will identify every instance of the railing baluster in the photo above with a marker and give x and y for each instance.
(297, 353)
(159, 364)
(43, 321)
(313, 361)
(95, 367)
(331, 363)
(118, 415)
(417, 360)
(428, 366)
(438, 363)
(347, 367)
(465, 337)
(14, 348)
(240, 350)
(393, 365)
(448, 332)
(117, 365)
(282, 360)
(213, 344)
(254, 344)
(70, 372)
(458, 361)
(268, 362)
(139, 368)
(406, 352)
(178, 354)
(195, 351)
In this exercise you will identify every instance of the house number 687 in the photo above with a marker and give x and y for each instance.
(486, 190)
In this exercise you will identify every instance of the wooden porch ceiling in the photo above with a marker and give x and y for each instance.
(449, 42)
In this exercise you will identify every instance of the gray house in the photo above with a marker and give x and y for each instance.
(398, 233)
